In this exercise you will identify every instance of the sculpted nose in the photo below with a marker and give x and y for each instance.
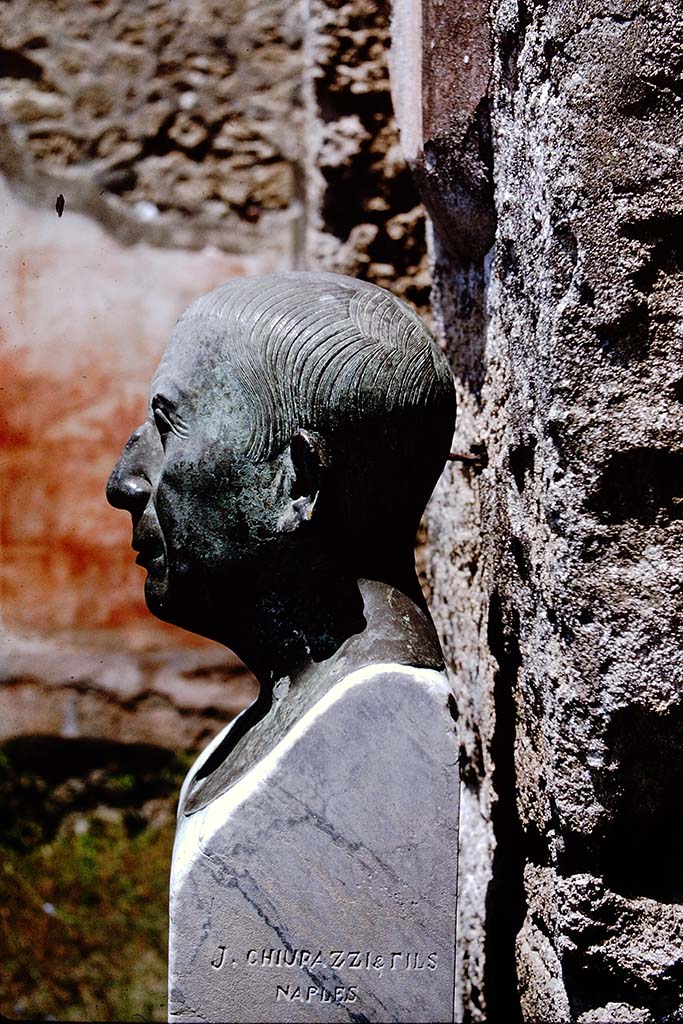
(129, 485)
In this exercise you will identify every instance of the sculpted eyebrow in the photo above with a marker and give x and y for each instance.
(160, 401)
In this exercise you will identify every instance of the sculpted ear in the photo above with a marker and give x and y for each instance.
(306, 458)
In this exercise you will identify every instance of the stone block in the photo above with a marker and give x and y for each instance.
(322, 885)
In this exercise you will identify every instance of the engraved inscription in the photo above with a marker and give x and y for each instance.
(217, 961)
(353, 959)
(311, 993)
(336, 959)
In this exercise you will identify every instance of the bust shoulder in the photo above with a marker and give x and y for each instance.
(390, 692)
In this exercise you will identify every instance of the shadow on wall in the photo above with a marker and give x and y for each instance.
(641, 851)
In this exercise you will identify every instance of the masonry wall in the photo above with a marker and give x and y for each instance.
(551, 170)
(364, 216)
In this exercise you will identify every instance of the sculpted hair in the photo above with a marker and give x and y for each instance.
(324, 352)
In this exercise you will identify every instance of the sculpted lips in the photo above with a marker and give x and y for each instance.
(150, 552)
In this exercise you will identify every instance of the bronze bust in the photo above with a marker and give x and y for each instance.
(297, 425)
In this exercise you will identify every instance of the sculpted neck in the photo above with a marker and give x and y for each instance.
(393, 629)
(334, 632)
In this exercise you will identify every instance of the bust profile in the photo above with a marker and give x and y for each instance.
(297, 425)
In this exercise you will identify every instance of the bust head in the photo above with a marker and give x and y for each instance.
(297, 425)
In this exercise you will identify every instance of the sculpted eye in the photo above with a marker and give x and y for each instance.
(163, 424)
(167, 420)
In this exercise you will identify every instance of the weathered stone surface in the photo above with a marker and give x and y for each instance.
(441, 71)
(172, 697)
(364, 215)
(556, 558)
(336, 852)
(172, 122)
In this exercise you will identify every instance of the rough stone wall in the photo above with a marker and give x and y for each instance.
(364, 217)
(586, 292)
(555, 557)
(175, 122)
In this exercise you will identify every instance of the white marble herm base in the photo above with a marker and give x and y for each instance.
(322, 885)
